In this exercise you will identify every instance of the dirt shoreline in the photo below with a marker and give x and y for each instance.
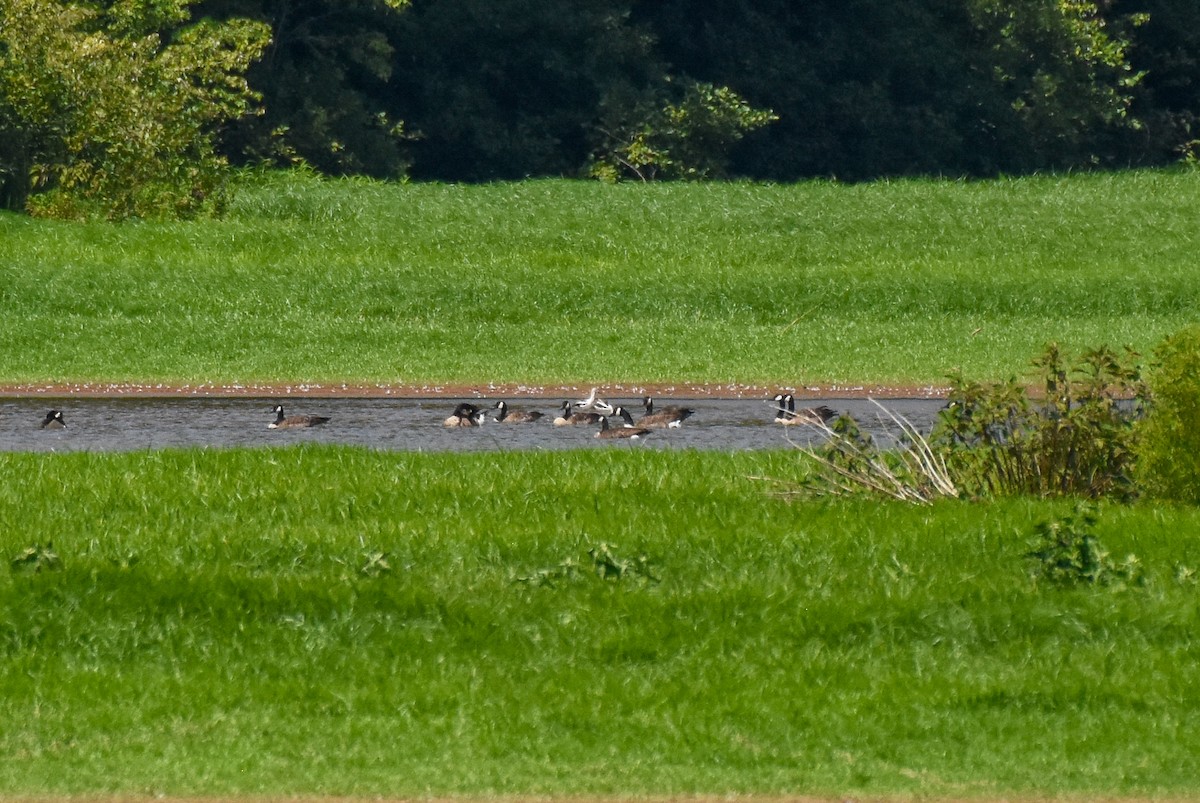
(683, 390)
(615, 798)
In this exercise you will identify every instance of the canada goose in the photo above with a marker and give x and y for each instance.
(295, 421)
(623, 414)
(667, 417)
(570, 418)
(464, 415)
(53, 420)
(632, 433)
(789, 415)
(594, 403)
(506, 416)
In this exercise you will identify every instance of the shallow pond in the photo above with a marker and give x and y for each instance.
(124, 423)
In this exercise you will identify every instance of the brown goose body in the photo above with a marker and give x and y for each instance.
(626, 432)
(295, 421)
(507, 416)
(665, 417)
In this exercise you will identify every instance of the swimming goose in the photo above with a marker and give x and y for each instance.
(295, 421)
(464, 415)
(628, 431)
(571, 419)
(53, 420)
(789, 415)
(666, 417)
(506, 416)
(623, 414)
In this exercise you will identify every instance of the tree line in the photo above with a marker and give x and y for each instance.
(474, 90)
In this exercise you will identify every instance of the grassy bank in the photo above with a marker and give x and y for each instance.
(337, 620)
(564, 281)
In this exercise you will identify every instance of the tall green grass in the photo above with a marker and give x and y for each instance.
(561, 281)
(342, 621)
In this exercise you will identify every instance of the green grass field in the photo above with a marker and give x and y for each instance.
(560, 281)
(341, 621)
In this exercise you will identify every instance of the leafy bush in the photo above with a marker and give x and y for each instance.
(1067, 553)
(1168, 467)
(1077, 440)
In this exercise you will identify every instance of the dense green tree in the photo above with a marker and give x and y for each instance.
(325, 82)
(1062, 76)
(504, 90)
(112, 109)
(864, 88)
(1167, 101)
(118, 103)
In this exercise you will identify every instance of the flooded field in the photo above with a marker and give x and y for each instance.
(112, 424)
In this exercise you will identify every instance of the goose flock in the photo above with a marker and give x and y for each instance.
(594, 411)
(612, 421)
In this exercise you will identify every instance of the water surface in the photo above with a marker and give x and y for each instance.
(125, 423)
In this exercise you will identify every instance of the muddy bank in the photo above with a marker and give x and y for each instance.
(433, 390)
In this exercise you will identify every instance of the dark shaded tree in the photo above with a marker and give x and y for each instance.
(1166, 48)
(505, 90)
(866, 89)
(325, 82)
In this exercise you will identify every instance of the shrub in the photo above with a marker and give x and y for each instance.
(1076, 440)
(1067, 553)
(1168, 466)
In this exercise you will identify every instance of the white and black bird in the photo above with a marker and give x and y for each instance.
(295, 421)
(594, 403)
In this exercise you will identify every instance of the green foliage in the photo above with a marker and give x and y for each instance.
(687, 139)
(506, 90)
(1066, 553)
(477, 90)
(865, 89)
(1063, 72)
(1166, 102)
(104, 116)
(1077, 438)
(1168, 467)
(326, 86)
(37, 558)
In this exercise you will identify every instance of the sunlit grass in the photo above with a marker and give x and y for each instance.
(548, 281)
(342, 621)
